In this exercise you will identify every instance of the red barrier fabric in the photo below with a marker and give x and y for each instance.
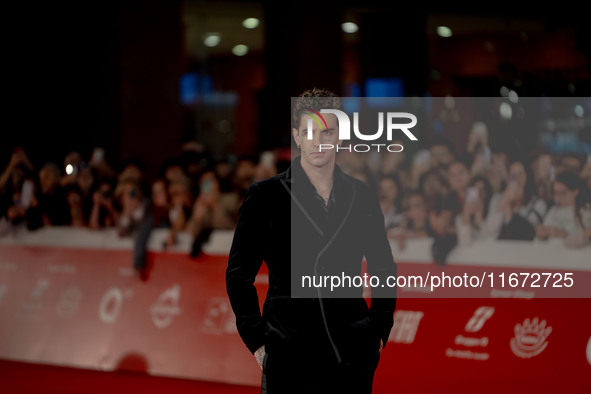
(86, 308)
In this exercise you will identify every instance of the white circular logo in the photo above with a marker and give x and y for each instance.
(589, 351)
(166, 307)
(110, 305)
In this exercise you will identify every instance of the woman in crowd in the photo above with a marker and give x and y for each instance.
(131, 200)
(432, 186)
(570, 217)
(516, 211)
(471, 223)
(103, 213)
(390, 196)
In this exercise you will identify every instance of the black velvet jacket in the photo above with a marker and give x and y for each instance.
(282, 223)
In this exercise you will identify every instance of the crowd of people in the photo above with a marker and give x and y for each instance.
(485, 192)
(195, 192)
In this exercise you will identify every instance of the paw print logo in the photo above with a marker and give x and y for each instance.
(530, 338)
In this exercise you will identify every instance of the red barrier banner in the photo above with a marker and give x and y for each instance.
(87, 308)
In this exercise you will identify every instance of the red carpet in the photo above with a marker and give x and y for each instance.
(16, 377)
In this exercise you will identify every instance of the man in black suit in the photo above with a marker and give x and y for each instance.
(312, 221)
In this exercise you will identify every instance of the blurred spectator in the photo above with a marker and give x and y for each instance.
(74, 200)
(543, 173)
(570, 217)
(458, 177)
(516, 211)
(415, 223)
(103, 213)
(160, 204)
(18, 202)
(53, 206)
(350, 162)
(394, 163)
(224, 170)
(14, 173)
(266, 167)
(442, 224)
(497, 172)
(570, 162)
(172, 169)
(85, 180)
(364, 175)
(432, 185)
(357, 165)
(181, 199)
(420, 166)
(212, 210)
(471, 224)
(442, 153)
(390, 197)
(131, 200)
(98, 162)
(132, 170)
(479, 149)
(442, 218)
(195, 159)
(244, 174)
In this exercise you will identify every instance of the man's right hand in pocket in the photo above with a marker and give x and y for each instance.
(259, 355)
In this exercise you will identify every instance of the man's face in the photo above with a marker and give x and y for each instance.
(310, 148)
(440, 156)
(48, 180)
(459, 177)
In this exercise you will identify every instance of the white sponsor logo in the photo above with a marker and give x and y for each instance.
(40, 288)
(406, 324)
(530, 338)
(589, 351)
(480, 316)
(219, 318)
(69, 302)
(467, 354)
(111, 304)
(474, 324)
(471, 342)
(166, 307)
(32, 307)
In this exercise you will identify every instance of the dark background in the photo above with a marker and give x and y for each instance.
(89, 74)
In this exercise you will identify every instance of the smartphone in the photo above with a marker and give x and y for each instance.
(267, 159)
(98, 155)
(207, 186)
(479, 128)
(27, 193)
(472, 194)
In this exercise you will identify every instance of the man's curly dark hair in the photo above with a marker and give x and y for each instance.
(315, 99)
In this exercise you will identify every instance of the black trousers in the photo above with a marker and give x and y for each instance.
(318, 373)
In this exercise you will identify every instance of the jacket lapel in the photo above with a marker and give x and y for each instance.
(305, 202)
